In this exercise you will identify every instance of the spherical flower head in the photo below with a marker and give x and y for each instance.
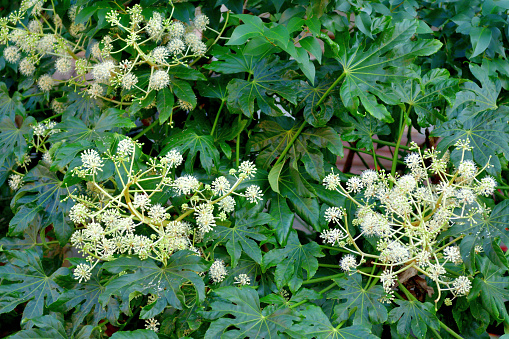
(26, 67)
(332, 236)
(465, 196)
(34, 26)
(46, 159)
(205, 217)
(242, 279)
(200, 22)
(45, 45)
(388, 281)
(172, 159)
(354, 184)
(159, 80)
(129, 80)
(96, 90)
(159, 54)
(191, 38)
(81, 66)
(487, 186)
(141, 201)
(79, 213)
(45, 83)
(176, 29)
(186, 184)
(413, 160)
(452, 254)
(217, 271)
(435, 271)
(248, 168)
(176, 46)
(369, 177)
(83, 272)
(227, 204)
(154, 26)
(57, 106)
(102, 72)
(152, 324)
(92, 162)
(332, 181)
(11, 54)
(15, 181)
(334, 214)
(220, 186)
(63, 65)
(462, 285)
(184, 105)
(94, 231)
(467, 169)
(348, 262)
(125, 147)
(157, 213)
(40, 130)
(407, 183)
(253, 193)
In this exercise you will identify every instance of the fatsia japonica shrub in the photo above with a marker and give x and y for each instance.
(254, 169)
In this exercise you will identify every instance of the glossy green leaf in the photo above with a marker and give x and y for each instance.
(13, 138)
(148, 277)
(492, 288)
(48, 327)
(246, 317)
(291, 261)
(10, 106)
(363, 302)
(363, 129)
(369, 69)
(247, 227)
(283, 218)
(480, 38)
(414, 317)
(315, 324)
(29, 283)
(195, 143)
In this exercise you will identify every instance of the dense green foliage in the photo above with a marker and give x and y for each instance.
(280, 83)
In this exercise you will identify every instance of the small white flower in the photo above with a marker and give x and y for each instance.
(248, 168)
(334, 214)
(157, 213)
(217, 271)
(79, 213)
(205, 217)
(253, 193)
(220, 186)
(487, 186)
(159, 54)
(172, 159)
(15, 181)
(95, 90)
(452, 253)
(176, 29)
(332, 236)
(348, 262)
(102, 72)
(467, 169)
(63, 65)
(125, 147)
(159, 80)
(92, 162)
(129, 80)
(227, 204)
(83, 272)
(354, 184)
(26, 67)
(200, 22)
(11, 54)
(413, 160)
(152, 324)
(141, 201)
(242, 279)
(369, 177)
(45, 83)
(331, 181)
(176, 46)
(186, 184)
(462, 285)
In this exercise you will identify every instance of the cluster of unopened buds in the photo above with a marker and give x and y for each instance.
(406, 214)
(93, 66)
(111, 211)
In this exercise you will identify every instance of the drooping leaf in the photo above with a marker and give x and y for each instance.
(492, 287)
(363, 129)
(28, 283)
(10, 106)
(370, 68)
(292, 260)
(84, 298)
(147, 277)
(267, 78)
(14, 139)
(282, 218)
(364, 302)
(48, 327)
(165, 101)
(196, 143)
(247, 317)
(247, 227)
(487, 132)
(42, 192)
(425, 92)
(315, 324)
(414, 317)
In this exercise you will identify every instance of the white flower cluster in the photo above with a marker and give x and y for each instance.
(109, 218)
(407, 213)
